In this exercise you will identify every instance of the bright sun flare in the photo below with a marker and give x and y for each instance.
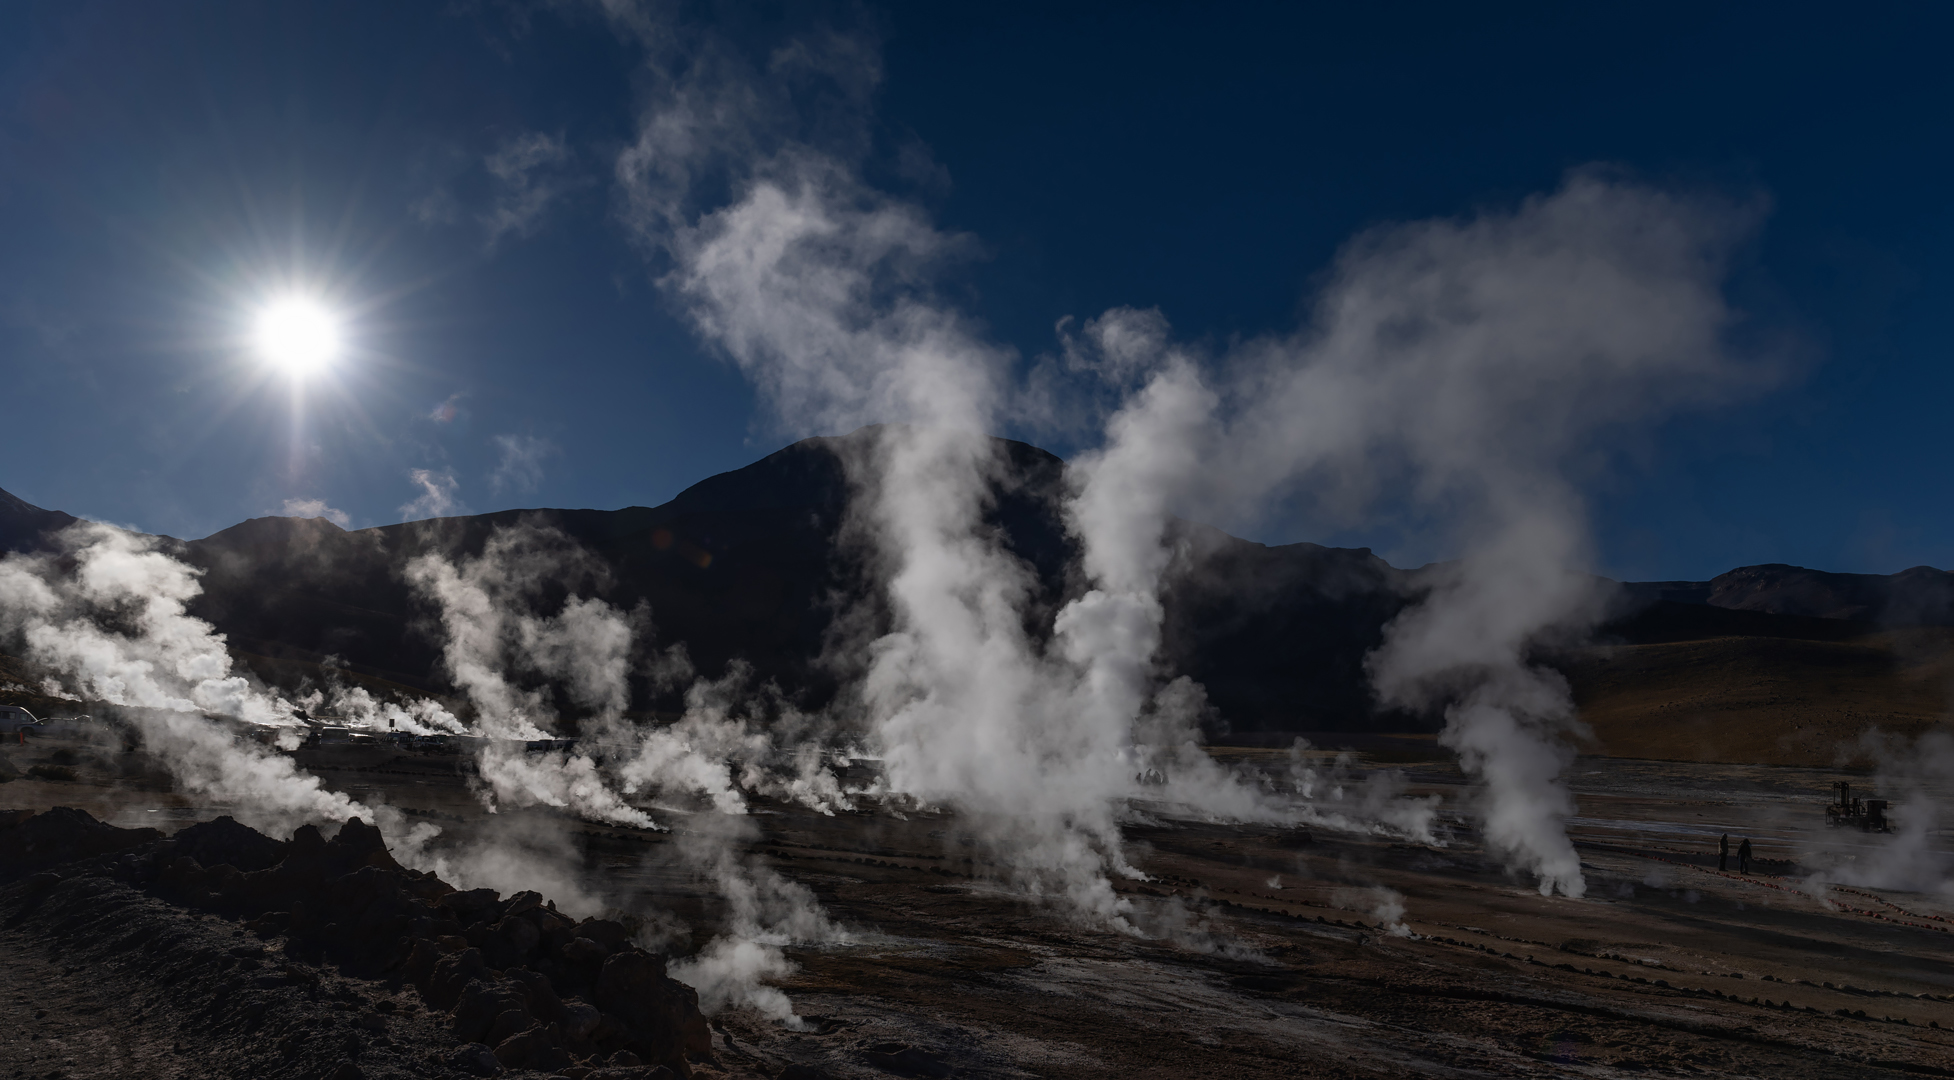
(298, 335)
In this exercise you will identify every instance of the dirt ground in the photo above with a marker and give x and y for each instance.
(1290, 956)
(1778, 701)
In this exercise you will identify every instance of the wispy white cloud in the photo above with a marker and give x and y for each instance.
(530, 174)
(439, 497)
(521, 466)
(507, 191)
(437, 207)
(450, 410)
(315, 508)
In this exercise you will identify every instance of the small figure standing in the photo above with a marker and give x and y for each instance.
(1743, 856)
(1723, 852)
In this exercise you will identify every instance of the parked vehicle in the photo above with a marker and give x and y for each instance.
(1848, 810)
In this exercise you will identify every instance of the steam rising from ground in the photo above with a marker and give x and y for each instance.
(115, 628)
(493, 636)
(765, 911)
(1916, 778)
(113, 623)
(1475, 360)
(1455, 367)
(1384, 905)
(817, 286)
(512, 660)
(1336, 796)
(1452, 368)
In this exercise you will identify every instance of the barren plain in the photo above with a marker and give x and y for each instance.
(1312, 952)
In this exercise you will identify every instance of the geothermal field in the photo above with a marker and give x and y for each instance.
(720, 788)
(1071, 691)
(1342, 947)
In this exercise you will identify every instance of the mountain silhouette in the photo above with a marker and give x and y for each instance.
(25, 527)
(757, 566)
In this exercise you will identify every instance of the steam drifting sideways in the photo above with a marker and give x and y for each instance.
(1469, 363)
(1454, 370)
(115, 626)
(108, 615)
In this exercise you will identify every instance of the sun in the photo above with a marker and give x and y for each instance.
(298, 335)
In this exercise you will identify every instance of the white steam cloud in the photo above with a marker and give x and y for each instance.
(492, 636)
(109, 616)
(1452, 367)
(1456, 367)
(1473, 361)
(1916, 778)
(819, 288)
(115, 628)
(512, 663)
(315, 508)
(765, 911)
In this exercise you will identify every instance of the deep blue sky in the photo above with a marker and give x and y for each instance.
(163, 166)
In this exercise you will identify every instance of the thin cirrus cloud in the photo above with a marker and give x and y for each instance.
(509, 191)
(531, 172)
(440, 495)
(449, 410)
(520, 468)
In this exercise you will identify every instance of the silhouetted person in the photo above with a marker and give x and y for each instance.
(1743, 856)
(1723, 852)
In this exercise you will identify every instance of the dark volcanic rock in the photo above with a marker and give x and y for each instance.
(224, 842)
(30, 841)
(531, 988)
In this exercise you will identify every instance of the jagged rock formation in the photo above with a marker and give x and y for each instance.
(31, 841)
(511, 984)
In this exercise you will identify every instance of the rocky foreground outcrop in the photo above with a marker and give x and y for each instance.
(444, 981)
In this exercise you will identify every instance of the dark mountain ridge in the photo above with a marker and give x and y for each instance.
(26, 527)
(1921, 596)
(756, 565)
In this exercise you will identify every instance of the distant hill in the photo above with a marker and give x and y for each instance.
(749, 565)
(1771, 664)
(1922, 596)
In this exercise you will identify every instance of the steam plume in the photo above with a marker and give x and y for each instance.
(818, 288)
(1915, 778)
(491, 632)
(1456, 368)
(116, 628)
(1473, 360)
